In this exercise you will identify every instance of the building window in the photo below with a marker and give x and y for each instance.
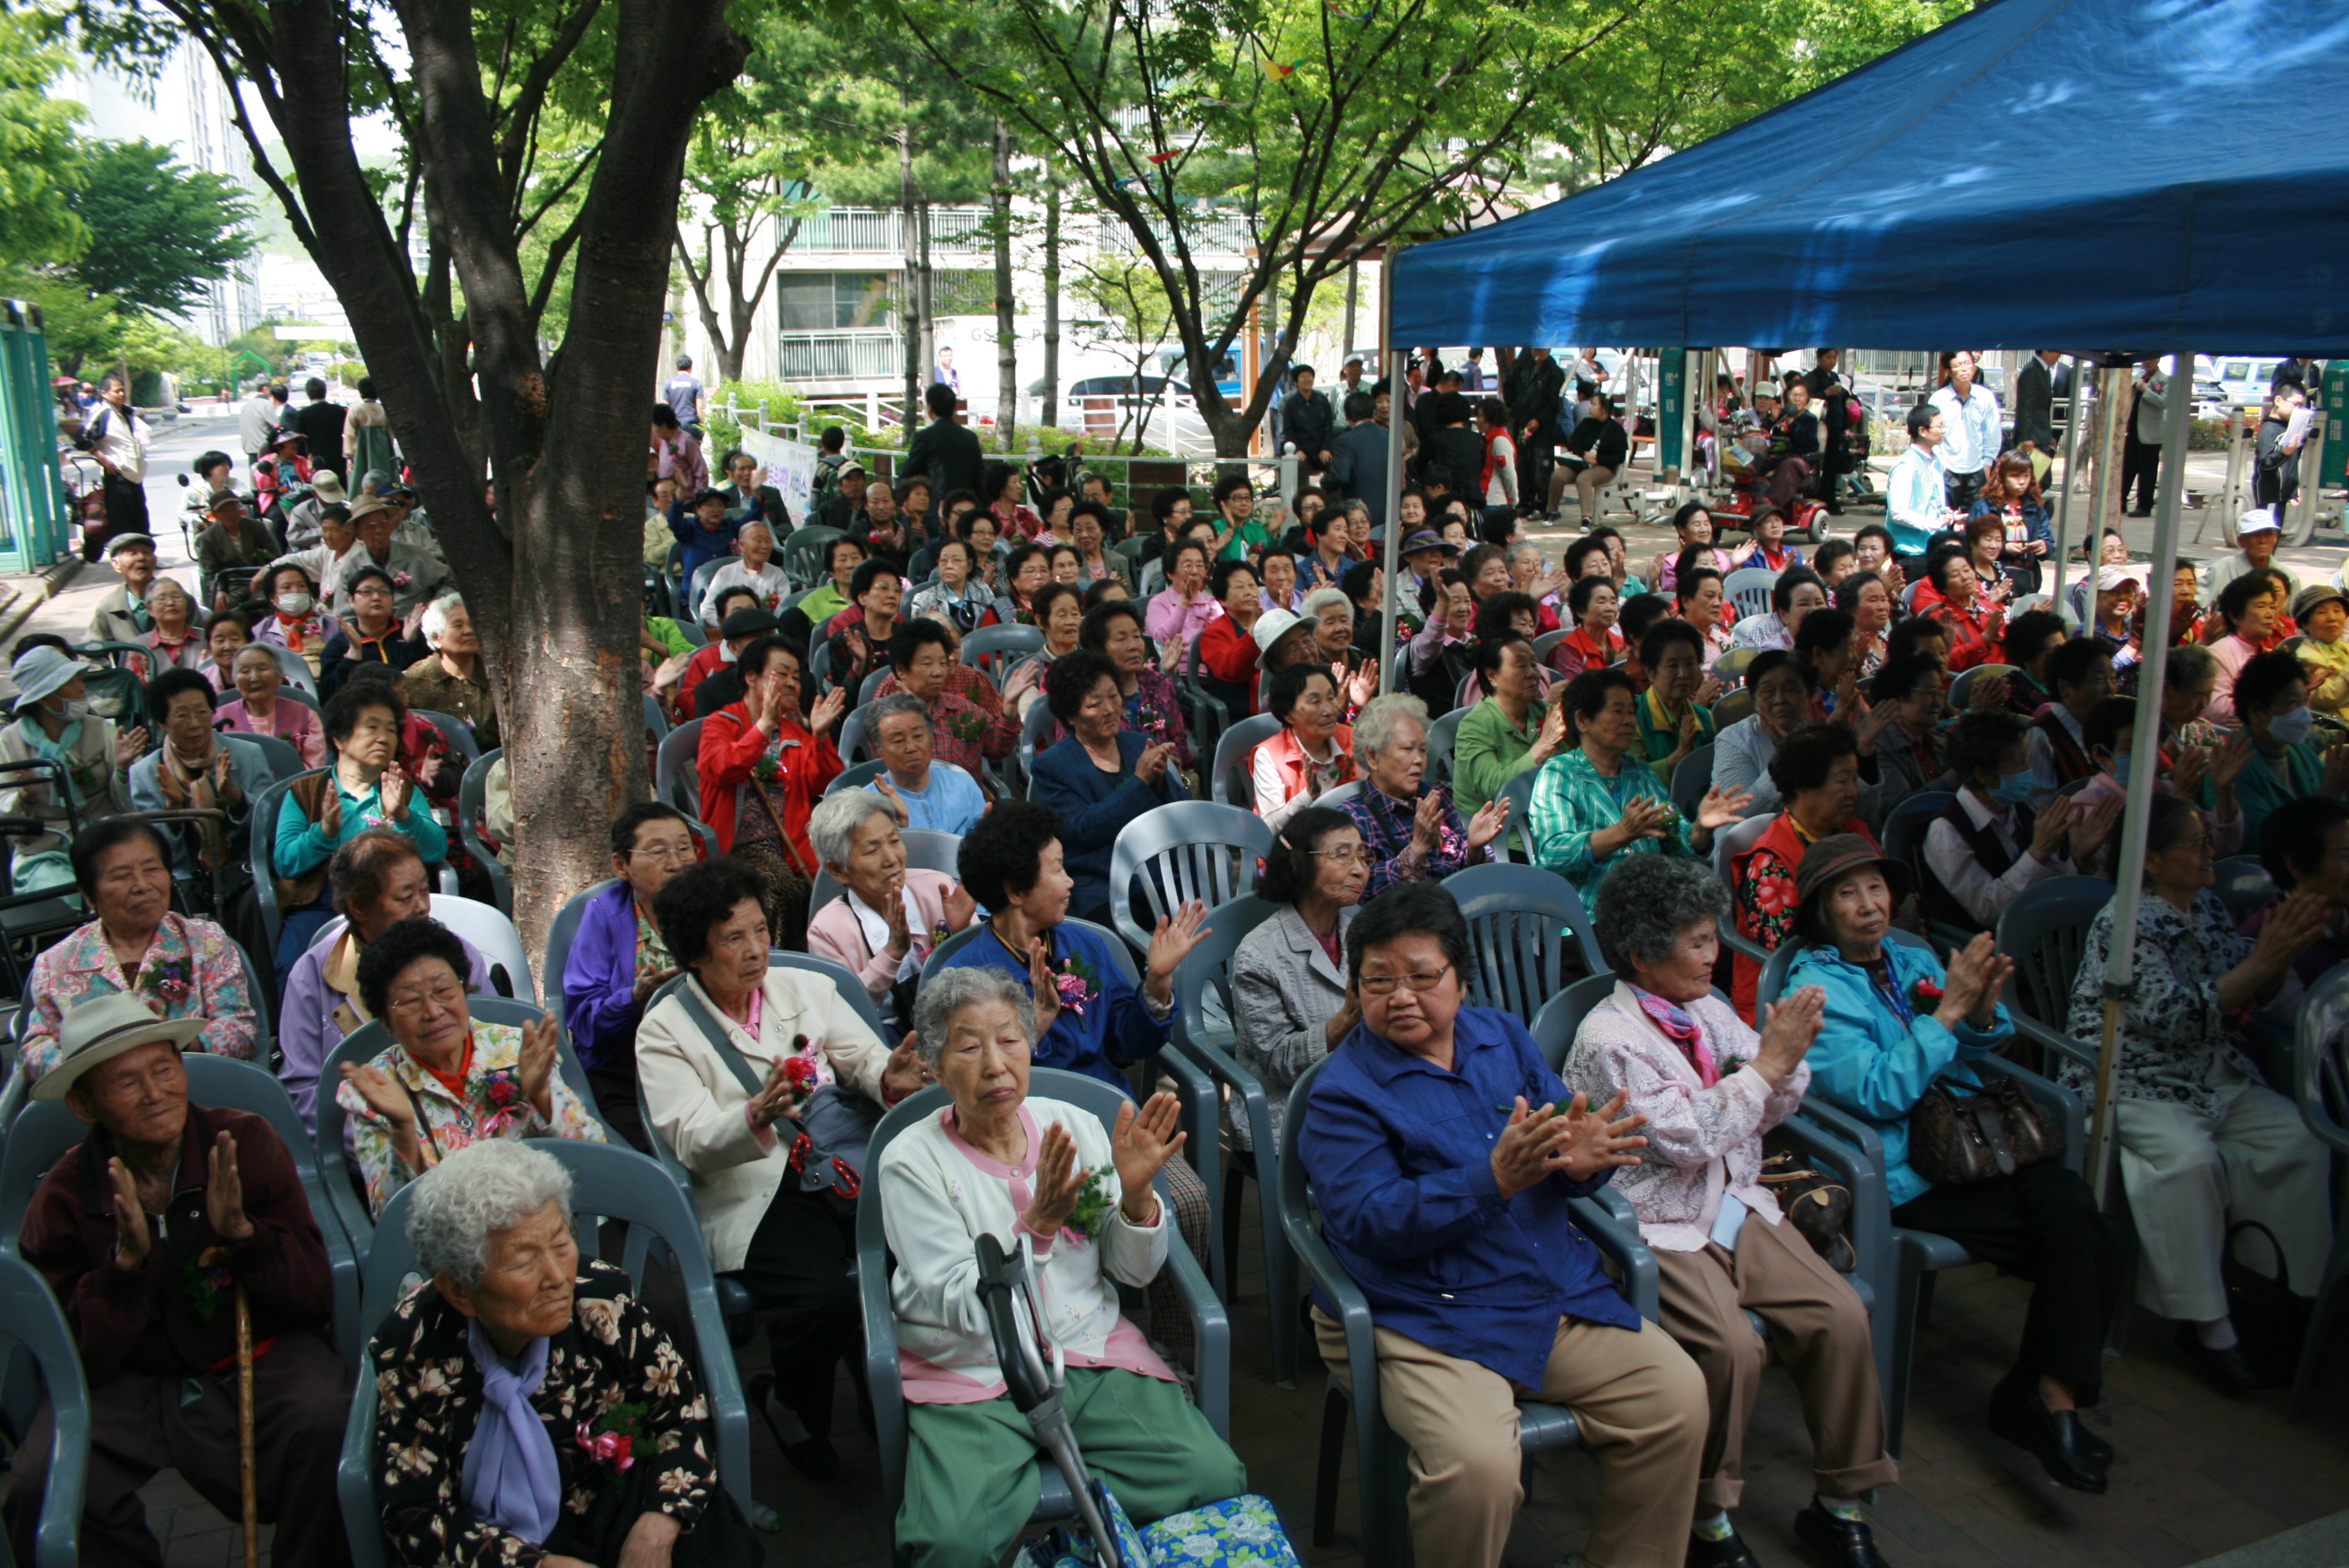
(828, 302)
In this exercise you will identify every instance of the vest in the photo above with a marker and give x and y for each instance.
(1942, 905)
(2071, 762)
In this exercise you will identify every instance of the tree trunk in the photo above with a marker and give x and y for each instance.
(1007, 315)
(910, 315)
(1353, 292)
(2113, 387)
(922, 281)
(1051, 412)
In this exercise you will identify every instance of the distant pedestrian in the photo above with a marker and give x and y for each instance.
(116, 436)
(2141, 454)
(686, 395)
(320, 420)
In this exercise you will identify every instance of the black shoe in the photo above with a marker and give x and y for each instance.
(2052, 1436)
(2225, 1370)
(1845, 1543)
(1729, 1552)
(815, 1459)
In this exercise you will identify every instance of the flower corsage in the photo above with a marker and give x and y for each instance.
(1077, 983)
(611, 1441)
(1093, 1204)
(1924, 997)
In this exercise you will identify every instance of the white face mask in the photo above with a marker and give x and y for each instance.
(74, 707)
(726, 653)
(2290, 728)
(295, 603)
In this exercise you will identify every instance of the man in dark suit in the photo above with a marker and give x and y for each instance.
(323, 422)
(2034, 404)
(946, 448)
(1358, 462)
(1532, 391)
(1307, 420)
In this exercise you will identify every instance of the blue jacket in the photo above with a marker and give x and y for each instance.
(1093, 806)
(599, 980)
(703, 545)
(1399, 1154)
(1873, 1061)
(1117, 1020)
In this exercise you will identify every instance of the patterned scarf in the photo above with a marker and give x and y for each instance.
(1681, 1029)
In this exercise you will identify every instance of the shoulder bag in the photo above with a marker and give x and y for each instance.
(1961, 1134)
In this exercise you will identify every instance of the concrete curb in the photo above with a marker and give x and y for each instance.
(30, 593)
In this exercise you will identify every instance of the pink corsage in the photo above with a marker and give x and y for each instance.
(614, 1448)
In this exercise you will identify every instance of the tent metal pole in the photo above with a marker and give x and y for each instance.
(2064, 496)
(2108, 412)
(2120, 969)
(1397, 412)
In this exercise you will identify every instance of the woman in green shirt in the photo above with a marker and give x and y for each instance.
(1675, 718)
(1508, 733)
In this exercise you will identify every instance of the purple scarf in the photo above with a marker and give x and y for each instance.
(1681, 1029)
(511, 1480)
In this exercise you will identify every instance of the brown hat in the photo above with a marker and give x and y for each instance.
(1828, 863)
(367, 507)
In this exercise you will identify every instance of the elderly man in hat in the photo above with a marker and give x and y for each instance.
(230, 549)
(416, 575)
(149, 1230)
(122, 615)
(302, 518)
(2258, 535)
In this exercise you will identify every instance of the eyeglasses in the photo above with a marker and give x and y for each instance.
(666, 854)
(408, 1003)
(1388, 984)
(1349, 855)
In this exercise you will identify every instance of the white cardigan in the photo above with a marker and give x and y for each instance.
(939, 1195)
(695, 1101)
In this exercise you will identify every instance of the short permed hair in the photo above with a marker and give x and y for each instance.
(1645, 904)
(92, 844)
(341, 719)
(1002, 855)
(1287, 684)
(833, 822)
(1375, 726)
(2264, 679)
(949, 991)
(362, 867)
(1409, 909)
(624, 825)
(698, 899)
(1071, 678)
(402, 944)
(1807, 755)
(485, 1187)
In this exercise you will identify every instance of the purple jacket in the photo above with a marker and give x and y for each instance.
(307, 1029)
(599, 981)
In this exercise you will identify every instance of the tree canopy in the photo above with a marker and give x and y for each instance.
(160, 232)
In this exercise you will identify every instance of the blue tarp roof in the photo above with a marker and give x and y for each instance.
(2074, 174)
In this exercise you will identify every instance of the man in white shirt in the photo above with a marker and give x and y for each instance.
(1916, 493)
(256, 417)
(2257, 532)
(1970, 428)
(116, 436)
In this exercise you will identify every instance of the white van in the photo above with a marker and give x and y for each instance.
(2244, 378)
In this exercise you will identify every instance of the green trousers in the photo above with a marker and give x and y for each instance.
(973, 1475)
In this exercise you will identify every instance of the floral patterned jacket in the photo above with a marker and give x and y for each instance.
(2175, 1031)
(613, 1370)
(1762, 882)
(494, 1106)
(192, 971)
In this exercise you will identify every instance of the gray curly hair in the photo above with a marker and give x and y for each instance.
(1646, 903)
(485, 1187)
(1375, 730)
(952, 990)
(835, 820)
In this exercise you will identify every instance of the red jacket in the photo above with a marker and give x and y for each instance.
(731, 743)
(1974, 637)
(1229, 655)
(706, 662)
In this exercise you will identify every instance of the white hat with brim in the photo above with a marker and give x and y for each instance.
(102, 1028)
(2111, 577)
(1269, 628)
(328, 487)
(2258, 520)
(40, 672)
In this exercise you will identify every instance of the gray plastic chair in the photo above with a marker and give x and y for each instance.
(802, 554)
(279, 758)
(1442, 735)
(1693, 780)
(1180, 852)
(1228, 779)
(345, 1194)
(1383, 1482)
(854, 778)
(1749, 589)
(1554, 1027)
(1728, 844)
(1517, 841)
(2244, 885)
(608, 1182)
(471, 793)
(676, 778)
(1520, 919)
(2045, 931)
(850, 741)
(31, 1319)
(656, 718)
(1035, 735)
(259, 844)
(1729, 667)
(1548, 640)
(455, 731)
(1962, 689)
(1732, 708)
(1900, 1302)
(494, 936)
(1212, 1389)
(993, 650)
(2322, 1057)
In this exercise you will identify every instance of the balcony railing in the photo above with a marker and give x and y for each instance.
(1215, 234)
(853, 354)
(870, 231)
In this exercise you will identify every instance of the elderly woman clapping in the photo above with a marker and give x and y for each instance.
(1412, 831)
(445, 1081)
(533, 1410)
(452, 679)
(891, 915)
(1896, 1022)
(1710, 1087)
(1042, 1175)
(737, 1064)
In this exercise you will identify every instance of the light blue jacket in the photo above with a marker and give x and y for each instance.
(1873, 1064)
(1916, 494)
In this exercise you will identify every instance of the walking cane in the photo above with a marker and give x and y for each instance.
(247, 1470)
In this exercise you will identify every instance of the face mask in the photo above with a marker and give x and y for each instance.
(2290, 728)
(2014, 789)
(295, 603)
(2120, 769)
(75, 707)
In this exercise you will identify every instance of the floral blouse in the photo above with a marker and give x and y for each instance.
(2174, 1034)
(612, 1371)
(494, 1106)
(192, 971)
(1153, 712)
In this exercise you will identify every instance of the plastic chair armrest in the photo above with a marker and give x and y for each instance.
(343, 1267)
(1322, 1268)
(2054, 1040)
(1746, 947)
(1212, 1322)
(1211, 1053)
(349, 1209)
(1196, 1090)
(728, 1411)
(1607, 1219)
(354, 1474)
(57, 1538)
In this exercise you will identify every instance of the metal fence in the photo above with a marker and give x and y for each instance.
(33, 515)
(853, 354)
(880, 231)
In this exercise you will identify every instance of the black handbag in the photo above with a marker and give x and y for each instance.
(835, 1124)
(1961, 1134)
(1817, 1204)
(2271, 1320)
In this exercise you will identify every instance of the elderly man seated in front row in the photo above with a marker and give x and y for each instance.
(533, 1410)
(1001, 1162)
(147, 1231)
(1443, 1152)
(1710, 1087)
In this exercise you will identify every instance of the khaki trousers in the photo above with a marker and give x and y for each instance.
(2190, 1176)
(1819, 1329)
(1640, 1404)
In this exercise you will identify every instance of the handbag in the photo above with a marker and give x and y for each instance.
(1818, 1204)
(2271, 1320)
(1961, 1134)
(835, 1125)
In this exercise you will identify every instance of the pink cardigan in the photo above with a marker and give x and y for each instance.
(835, 932)
(292, 722)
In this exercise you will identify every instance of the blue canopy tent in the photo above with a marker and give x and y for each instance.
(2092, 174)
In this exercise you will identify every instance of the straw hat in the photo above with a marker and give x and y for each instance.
(103, 1028)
